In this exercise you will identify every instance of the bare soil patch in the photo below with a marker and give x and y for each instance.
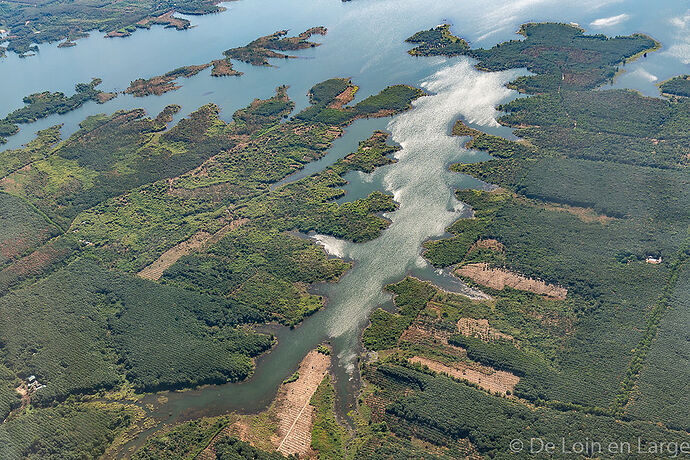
(343, 98)
(104, 97)
(480, 328)
(499, 278)
(587, 215)
(487, 378)
(292, 405)
(223, 68)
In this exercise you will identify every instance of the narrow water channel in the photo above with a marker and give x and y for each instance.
(423, 187)
(420, 180)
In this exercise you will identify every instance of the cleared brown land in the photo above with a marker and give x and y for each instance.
(480, 328)
(195, 243)
(166, 19)
(499, 278)
(286, 424)
(587, 215)
(292, 404)
(343, 98)
(490, 380)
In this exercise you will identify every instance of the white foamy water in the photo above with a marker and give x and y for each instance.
(333, 246)
(610, 21)
(422, 185)
(680, 49)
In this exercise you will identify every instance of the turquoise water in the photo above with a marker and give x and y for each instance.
(366, 43)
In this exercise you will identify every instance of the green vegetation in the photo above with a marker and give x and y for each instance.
(263, 48)
(292, 378)
(41, 105)
(256, 53)
(450, 251)
(64, 346)
(68, 431)
(261, 266)
(595, 188)
(9, 398)
(163, 83)
(328, 437)
(437, 41)
(325, 92)
(111, 154)
(404, 403)
(493, 145)
(498, 354)
(676, 86)
(391, 100)
(411, 295)
(187, 441)
(184, 441)
(165, 337)
(658, 397)
(232, 448)
(324, 350)
(85, 214)
(560, 55)
(22, 228)
(42, 21)
(170, 338)
(617, 126)
(444, 412)
(36, 149)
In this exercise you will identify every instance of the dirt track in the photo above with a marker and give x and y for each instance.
(195, 243)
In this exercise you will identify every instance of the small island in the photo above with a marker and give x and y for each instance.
(560, 55)
(256, 53)
(41, 105)
(31, 23)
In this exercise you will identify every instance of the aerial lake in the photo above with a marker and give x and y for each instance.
(420, 180)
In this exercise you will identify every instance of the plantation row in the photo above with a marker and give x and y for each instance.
(417, 403)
